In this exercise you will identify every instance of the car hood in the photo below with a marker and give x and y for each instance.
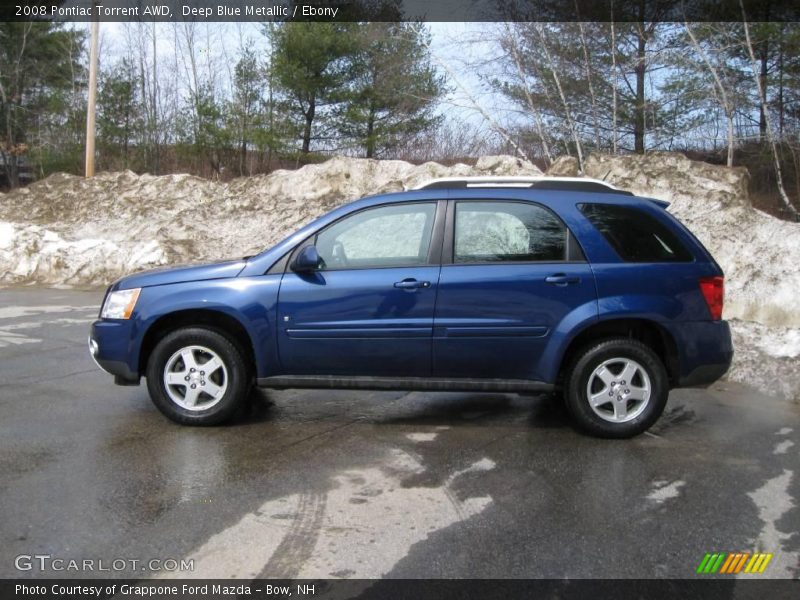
(181, 274)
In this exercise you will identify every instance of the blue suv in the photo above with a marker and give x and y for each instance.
(495, 284)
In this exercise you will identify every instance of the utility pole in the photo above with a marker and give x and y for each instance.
(90, 109)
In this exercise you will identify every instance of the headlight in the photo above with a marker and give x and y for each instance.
(119, 305)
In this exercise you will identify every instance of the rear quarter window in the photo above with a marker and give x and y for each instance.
(635, 235)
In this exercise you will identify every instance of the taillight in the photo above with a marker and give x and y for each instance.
(713, 289)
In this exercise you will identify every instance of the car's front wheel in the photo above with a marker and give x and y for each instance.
(616, 388)
(197, 376)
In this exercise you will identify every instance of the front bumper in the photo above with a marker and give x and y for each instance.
(110, 348)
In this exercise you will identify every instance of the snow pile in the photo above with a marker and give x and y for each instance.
(758, 253)
(766, 357)
(67, 230)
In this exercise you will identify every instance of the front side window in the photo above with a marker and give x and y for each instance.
(635, 235)
(507, 232)
(389, 236)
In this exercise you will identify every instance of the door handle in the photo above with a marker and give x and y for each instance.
(562, 279)
(412, 284)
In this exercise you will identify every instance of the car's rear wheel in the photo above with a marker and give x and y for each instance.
(616, 388)
(197, 376)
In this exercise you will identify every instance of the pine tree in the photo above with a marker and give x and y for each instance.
(119, 113)
(312, 63)
(395, 89)
(39, 77)
(245, 107)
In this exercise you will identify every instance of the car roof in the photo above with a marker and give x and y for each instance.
(547, 189)
(582, 184)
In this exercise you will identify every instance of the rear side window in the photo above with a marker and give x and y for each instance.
(507, 232)
(635, 235)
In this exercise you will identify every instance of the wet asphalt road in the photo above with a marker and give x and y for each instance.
(345, 484)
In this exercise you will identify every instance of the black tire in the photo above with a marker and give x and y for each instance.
(641, 414)
(234, 374)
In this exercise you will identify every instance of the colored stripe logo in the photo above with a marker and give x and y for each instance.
(733, 562)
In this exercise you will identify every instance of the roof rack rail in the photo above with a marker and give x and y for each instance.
(574, 184)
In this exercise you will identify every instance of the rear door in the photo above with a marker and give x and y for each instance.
(369, 309)
(511, 273)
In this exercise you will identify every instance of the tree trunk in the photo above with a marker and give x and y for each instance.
(270, 108)
(729, 161)
(762, 78)
(312, 108)
(780, 85)
(143, 98)
(639, 112)
(613, 83)
(126, 140)
(588, 66)
(371, 133)
(156, 145)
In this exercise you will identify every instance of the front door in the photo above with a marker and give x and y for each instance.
(368, 310)
(513, 276)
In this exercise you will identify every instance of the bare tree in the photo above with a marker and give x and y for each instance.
(720, 92)
(493, 122)
(588, 69)
(141, 43)
(537, 115)
(567, 112)
(765, 112)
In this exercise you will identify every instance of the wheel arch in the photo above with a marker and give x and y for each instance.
(646, 331)
(219, 321)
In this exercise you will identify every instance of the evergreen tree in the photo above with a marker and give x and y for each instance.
(246, 106)
(312, 63)
(394, 90)
(211, 137)
(119, 113)
(40, 75)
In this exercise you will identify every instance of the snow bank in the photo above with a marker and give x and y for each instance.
(767, 358)
(67, 230)
(74, 231)
(759, 253)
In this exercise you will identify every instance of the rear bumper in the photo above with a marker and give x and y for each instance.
(704, 375)
(705, 351)
(109, 347)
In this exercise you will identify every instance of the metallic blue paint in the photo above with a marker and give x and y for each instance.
(182, 274)
(356, 322)
(497, 320)
(509, 310)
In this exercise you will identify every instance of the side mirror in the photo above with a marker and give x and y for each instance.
(307, 260)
